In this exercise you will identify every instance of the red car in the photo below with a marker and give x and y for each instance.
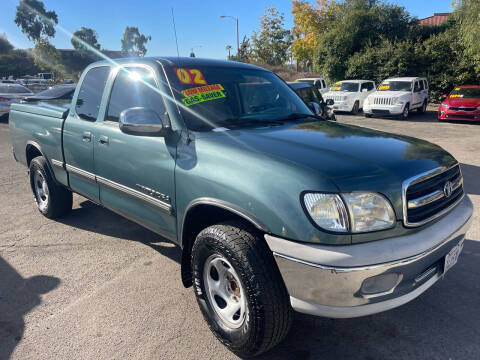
(463, 104)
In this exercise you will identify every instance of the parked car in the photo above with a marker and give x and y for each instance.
(60, 93)
(273, 208)
(318, 82)
(397, 97)
(463, 103)
(349, 95)
(11, 93)
(312, 97)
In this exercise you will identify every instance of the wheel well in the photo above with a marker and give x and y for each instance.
(197, 219)
(32, 152)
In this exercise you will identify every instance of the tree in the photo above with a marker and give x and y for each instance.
(34, 21)
(468, 15)
(85, 41)
(17, 63)
(272, 41)
(133, 42)
(245, 51)
(5, 46)
(229, 49)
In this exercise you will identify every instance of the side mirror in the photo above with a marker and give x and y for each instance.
(141, 122)
(329, 102)
(443, 97)
(314, 107)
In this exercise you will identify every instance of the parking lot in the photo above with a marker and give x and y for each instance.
(93, 285)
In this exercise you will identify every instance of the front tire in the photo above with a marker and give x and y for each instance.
(406, 112)
(239, 289)
(367, 115)
(52, 200)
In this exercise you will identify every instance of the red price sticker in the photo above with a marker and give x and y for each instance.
(190, 76)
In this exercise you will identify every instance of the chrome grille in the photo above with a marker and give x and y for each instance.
(383, 101)
(335, 98)
(430, 195)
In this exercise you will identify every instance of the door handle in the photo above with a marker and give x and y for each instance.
(103, 140)
(87, 136)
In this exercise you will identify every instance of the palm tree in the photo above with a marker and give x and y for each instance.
(228, 48)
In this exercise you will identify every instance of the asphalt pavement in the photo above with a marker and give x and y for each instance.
(93, 285)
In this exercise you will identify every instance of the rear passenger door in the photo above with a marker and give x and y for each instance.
(418, 95)
(78, 132)
(136, 173)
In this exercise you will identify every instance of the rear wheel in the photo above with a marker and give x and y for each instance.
(52, 200)
(423, 108)
(367, 115)
(239, 289)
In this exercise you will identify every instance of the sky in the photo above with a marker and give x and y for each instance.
(197, 22)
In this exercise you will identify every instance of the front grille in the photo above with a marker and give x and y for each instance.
(380, 111)
(383, 101)
(336, 98)
(426, 198)
(460, 116)
(462, 108)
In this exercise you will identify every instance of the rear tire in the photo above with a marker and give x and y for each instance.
(423, 109)
(233, 268)
(367, 115)
(52, 200)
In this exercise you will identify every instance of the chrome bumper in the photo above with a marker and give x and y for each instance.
(362, 279)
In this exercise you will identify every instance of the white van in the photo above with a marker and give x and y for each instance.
(398, 96)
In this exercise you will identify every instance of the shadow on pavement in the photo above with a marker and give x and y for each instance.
(18, 296)
(471, 178)
(4, 119)
(87, 218)
(440, 324)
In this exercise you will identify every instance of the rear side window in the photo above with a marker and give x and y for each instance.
(323, 84)
(425, 84)
(134, 87)
(90, 94)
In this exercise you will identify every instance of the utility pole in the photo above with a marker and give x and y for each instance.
(236, 22)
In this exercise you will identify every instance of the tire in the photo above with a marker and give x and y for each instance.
(255, 287)
(356, 108)
(422, 109)
(52, 200)
(367, 115)
(406, 112)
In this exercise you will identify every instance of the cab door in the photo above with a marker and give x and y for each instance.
(78, 132)
(136, 173)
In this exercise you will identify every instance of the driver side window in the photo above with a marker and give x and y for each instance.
(134, 87)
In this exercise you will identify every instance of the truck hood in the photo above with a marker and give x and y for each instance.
(462, 102)
(352, 157)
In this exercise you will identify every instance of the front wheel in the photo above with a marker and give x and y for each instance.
(367, 115)
(405, 112)
(239, 289)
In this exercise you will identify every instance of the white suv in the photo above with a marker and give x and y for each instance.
(349, 95)
(398, 96)
(318, 82)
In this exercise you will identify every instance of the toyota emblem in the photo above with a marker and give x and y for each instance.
(448, 189)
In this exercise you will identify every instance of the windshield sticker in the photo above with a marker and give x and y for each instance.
(456, 89)
(202, 97)
(384, 87)
(190, 76)
(336, 88)
(202, 89)
(338, 83)
(456, 96)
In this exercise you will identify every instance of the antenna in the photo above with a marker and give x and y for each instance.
(175, 31)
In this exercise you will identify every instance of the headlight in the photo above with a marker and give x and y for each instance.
(367, 211)
(478, 107)
(327, 211)
(446, 106)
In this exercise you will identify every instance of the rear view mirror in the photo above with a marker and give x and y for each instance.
(142, 122)
(329, 102)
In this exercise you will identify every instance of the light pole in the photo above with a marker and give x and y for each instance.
(236, 21)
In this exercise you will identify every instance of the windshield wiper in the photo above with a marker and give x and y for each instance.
(295, 116)
(239, 122)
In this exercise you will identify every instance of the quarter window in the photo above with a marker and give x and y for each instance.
(324, 85)
(134, 87)
(90, 94)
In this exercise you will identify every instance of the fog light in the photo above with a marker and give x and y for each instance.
(381, 284)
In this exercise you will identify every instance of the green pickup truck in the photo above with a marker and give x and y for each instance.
(274, 208)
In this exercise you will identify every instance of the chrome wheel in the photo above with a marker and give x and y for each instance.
(225, 291)
(41, 190)
(405, 112)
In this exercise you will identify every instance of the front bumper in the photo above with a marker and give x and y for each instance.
(343, 106)
(385, 110)
(336, 281)
(4, 109)
(446, 114)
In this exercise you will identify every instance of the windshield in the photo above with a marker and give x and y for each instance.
(395, 86)
(345, 86)
(216, 97)
(57, 91)
(466, 93)
(13, 89)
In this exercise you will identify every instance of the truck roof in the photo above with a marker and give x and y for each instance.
(407, 78)
(356, 81)
(182, 62)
